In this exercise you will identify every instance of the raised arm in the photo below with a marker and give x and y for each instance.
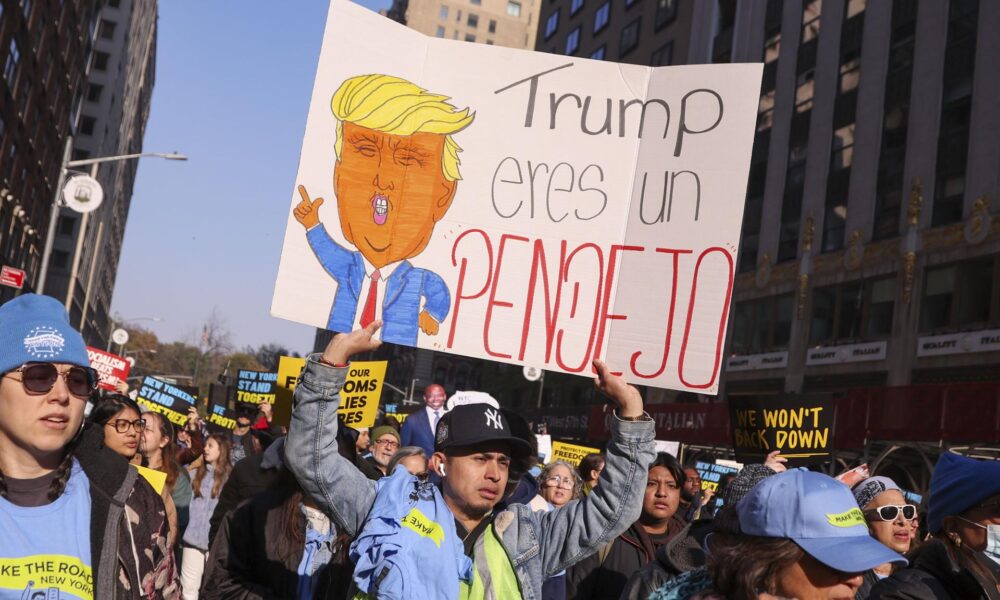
(311, 450)
(583, 527)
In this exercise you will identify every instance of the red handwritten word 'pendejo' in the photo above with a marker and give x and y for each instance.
(564, 299)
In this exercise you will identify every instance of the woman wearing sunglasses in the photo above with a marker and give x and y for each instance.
(889, 519)
(961, 559)
(123, 426)
(76, 520)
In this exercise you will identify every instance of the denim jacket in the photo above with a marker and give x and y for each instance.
(539, 544)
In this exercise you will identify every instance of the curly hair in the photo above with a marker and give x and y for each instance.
(577, 480)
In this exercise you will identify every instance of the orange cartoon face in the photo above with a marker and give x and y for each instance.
(391, 190)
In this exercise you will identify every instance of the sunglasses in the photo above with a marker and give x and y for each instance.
(40, 378)
(122, 425)
(889, 512)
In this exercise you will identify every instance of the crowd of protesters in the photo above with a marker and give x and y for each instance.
(454, 504)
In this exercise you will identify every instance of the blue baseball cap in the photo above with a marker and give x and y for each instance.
(819, 514)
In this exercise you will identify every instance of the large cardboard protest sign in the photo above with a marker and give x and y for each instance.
(254, 387)
(170, 400)
(111, 368)
(359, 398)
(571, 453)
(523, 207)
(801, 428)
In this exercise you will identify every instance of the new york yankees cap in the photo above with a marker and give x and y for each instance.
(474, 423)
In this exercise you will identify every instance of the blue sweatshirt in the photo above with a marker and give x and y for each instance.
(200, 512)
(46, 549)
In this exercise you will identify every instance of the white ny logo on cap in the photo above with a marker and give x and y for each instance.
(493, 419)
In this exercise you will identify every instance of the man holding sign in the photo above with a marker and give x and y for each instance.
(475, 454)
(395, 177)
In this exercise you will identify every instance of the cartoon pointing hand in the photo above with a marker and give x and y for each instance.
(307, 211)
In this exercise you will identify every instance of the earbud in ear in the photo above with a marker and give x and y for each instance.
(441, 469)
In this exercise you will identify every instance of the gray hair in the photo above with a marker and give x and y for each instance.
(577, 480)
(404, 452)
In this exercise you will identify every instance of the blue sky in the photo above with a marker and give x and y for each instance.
(232, 89)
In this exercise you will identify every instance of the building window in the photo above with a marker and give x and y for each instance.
(630, 37)
(852, 311)
(960, 297)
(473, 21)
(443, 12)
(493, 26)
(470, 37)
(762, 325)
(750, 239)
(101, 61)
(107, 30)
(440, 31)
(895, 118)
(489, 42)
(666, 11)
(513, 8)
(956, 100)
(662, 55)
(87, 125)
(602, 16)
(551, 24)
(599, 53)
(575, 6)
(94, 91)
(791, 204)
(573, 41)
(60, 259)
(10, 66)
(66, 225)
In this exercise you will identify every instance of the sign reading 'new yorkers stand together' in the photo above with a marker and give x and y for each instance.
(521, 207)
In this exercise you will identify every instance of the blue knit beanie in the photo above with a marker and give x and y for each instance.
(36, 328)
(958, 484)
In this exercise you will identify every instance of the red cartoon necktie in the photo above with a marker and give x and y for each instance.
(368, 314)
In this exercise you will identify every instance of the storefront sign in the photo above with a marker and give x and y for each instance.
(959, 343)
(755, 362)
(849, 353)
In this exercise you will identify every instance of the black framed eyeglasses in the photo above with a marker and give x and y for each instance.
(40, 378)
(122, 425)
(889, 512)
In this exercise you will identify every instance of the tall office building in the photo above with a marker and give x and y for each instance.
(44, 49)
(510, 23)
(112, 122)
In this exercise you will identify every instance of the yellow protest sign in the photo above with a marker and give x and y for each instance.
(570, 453)
(289, 369)
(361, 393)
(359, 397)
(157, 479)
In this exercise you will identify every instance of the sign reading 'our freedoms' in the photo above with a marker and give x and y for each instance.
(800, 428)
(359, 398)
(543, 211)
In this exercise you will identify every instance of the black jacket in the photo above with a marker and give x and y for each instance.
(250, 476)
(606, 573)
(128, 526)
(244, 562)
(935, 573)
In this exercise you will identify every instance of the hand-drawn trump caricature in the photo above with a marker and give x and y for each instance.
(395, 177)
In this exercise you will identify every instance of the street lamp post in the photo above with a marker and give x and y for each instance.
(57, 200)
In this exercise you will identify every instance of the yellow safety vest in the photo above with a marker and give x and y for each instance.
(493, 575)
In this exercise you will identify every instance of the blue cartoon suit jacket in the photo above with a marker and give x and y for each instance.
(403, 293)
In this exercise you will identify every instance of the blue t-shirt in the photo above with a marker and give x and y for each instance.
(45, 550)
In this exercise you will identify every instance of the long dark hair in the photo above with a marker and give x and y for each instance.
(109, 405)
(222, 466)
(168, 459)
(743, 566)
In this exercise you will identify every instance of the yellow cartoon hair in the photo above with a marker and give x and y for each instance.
(393, 105)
